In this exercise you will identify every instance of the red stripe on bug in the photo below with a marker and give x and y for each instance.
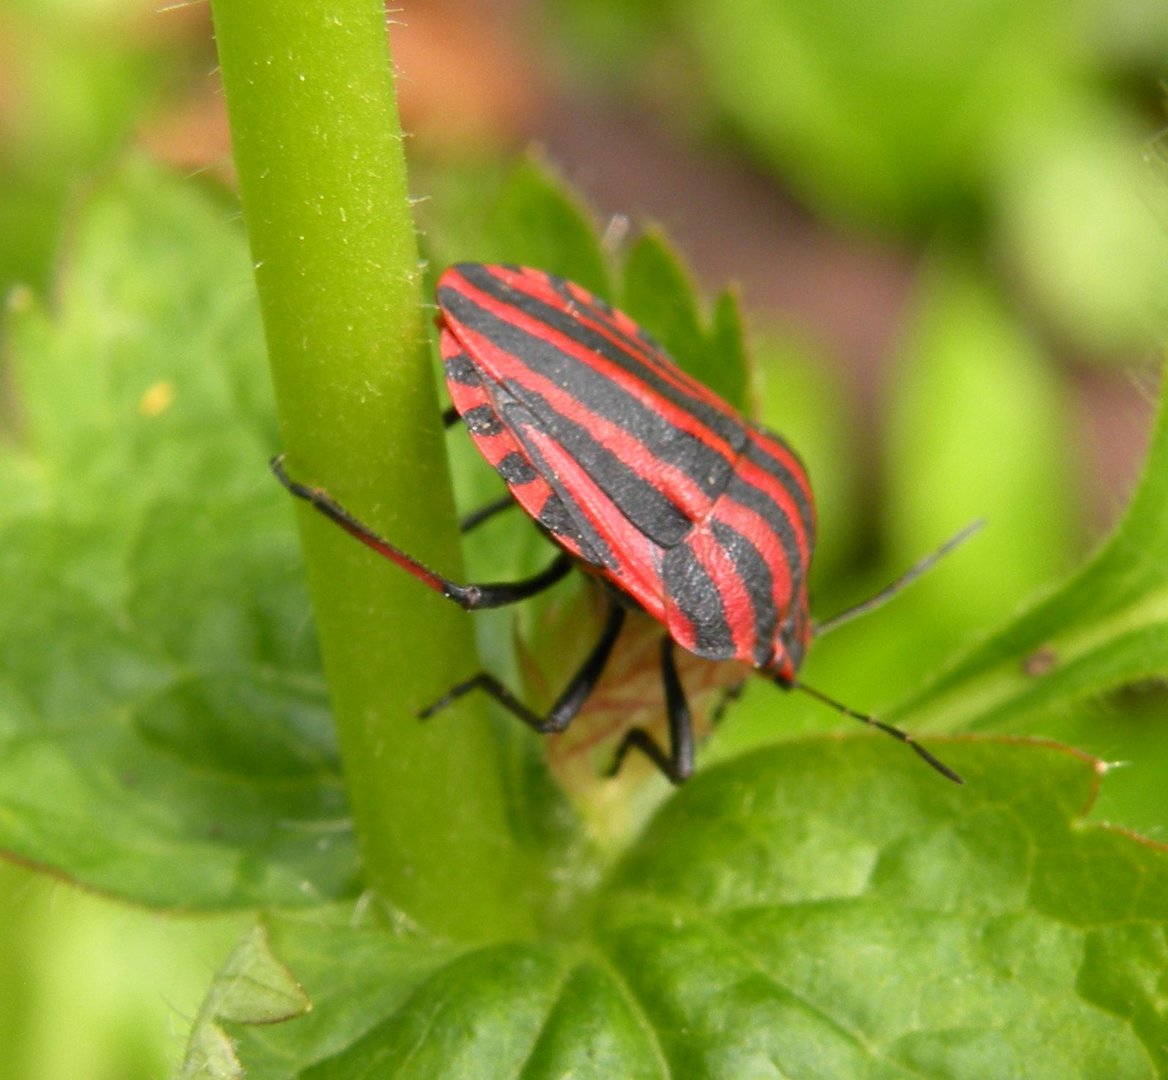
(603, 319)
(517, 369)
(759, 532)
(641, 459)
(754, 474)
(733, 592)
(496, 447)
(505, 365)
(636, 572)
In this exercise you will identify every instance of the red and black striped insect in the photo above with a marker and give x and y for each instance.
(643, 477)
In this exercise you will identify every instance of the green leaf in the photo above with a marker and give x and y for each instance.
(252, 987)
(527, 217)
(906, 928)
(173, 745)
(970, 377)
(977, 429)
(1104, 628)
(1099, 276)
(890, 115)
(659, 293)
(164, 734)
(826, 907)
(727, 357)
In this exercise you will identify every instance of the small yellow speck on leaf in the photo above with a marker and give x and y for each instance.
(157, 398)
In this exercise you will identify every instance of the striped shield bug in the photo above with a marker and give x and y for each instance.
(642, 477)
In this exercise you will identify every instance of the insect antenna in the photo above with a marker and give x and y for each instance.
(888, 729)
(890, 590)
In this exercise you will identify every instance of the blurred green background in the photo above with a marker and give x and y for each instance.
(949, 224)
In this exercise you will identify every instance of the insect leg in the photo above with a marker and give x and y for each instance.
(470, 596)
(678, 764)
(567, 705)
(474, 519)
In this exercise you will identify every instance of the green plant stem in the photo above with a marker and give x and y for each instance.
(318, 148)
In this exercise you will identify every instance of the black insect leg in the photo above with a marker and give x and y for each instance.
(567, 705)
(679, 762)
(474, 519)
(472, 597)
